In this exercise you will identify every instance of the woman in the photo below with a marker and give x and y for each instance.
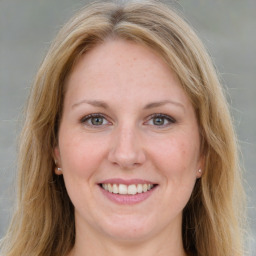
(128, 145)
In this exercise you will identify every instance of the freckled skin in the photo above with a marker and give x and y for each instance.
(127, 77)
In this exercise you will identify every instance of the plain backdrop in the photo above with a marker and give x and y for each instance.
(227, 28)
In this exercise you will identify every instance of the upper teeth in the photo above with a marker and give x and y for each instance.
(124, 189)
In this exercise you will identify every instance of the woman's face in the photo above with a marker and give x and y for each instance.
(129, 145)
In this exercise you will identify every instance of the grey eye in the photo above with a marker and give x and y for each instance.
(159, 120)
(97, 120)
(94, 120)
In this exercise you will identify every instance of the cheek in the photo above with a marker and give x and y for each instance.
(178, 155)
(80, 159)
(177, 162)
(80, 156)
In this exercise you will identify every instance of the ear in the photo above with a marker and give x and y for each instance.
(57, 160)
(201, 166)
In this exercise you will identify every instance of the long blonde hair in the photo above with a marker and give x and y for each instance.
(43, 223)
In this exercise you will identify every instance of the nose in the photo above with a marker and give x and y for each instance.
(126, 149)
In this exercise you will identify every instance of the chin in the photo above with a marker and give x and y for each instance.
(129, 236)
(129, 231)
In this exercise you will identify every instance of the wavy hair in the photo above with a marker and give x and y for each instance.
(43, 223)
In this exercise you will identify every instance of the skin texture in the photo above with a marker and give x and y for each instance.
(120, 80)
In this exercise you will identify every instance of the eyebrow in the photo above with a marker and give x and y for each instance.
(102, 104)
(95, 103)
(164, 102)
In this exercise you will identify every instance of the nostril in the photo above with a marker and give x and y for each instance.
(126, 151)
(127, 160)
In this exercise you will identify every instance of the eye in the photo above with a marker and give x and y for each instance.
(95, 120)
(160, 120)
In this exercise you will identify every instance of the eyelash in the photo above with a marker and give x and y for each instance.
(85, 119)
(169, 119)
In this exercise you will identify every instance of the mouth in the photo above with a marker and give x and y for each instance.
(131, 189)
(123, 191)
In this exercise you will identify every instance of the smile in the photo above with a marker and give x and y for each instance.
(123, 189)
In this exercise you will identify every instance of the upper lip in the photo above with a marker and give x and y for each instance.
(126, 181)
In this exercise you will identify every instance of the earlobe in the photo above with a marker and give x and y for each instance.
(58, 170)
(201, 167)
(57, 161)
(199, 173)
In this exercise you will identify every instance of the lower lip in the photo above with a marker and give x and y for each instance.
(127, 199)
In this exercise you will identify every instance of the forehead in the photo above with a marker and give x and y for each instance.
(120, 54)
(125, 68)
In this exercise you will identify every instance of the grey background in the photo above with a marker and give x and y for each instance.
(227, 28)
